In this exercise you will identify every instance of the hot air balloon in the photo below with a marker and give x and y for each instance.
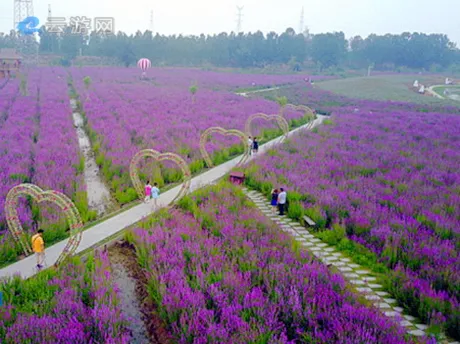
(144, 64)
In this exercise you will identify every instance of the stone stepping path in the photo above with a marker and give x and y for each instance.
(361, 279)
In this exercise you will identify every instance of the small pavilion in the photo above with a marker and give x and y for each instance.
(10, 61)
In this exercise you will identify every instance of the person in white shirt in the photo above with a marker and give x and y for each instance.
(282, 201)
(155, 192)
(250, 145)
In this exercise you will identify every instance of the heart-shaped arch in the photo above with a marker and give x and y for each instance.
(280, 120)
(230, 132)
(305, 109)
(157, 156)
(38, 195)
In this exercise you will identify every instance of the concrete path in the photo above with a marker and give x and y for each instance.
(245, 94)
(361, 279)
(26, 267)
(433, 92)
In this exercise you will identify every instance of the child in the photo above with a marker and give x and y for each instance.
(155, 192)
(148, 191)
(274, 202)
(38, 246)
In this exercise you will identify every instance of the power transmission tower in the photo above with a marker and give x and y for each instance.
(301, 24)
(27, 44)
(151, 21)
(22, 10)
(239, 18)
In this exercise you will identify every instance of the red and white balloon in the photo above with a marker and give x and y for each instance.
(144, 64)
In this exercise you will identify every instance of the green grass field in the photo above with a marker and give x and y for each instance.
(386, 87)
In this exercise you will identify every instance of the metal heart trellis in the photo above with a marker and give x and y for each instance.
(280, 120)
(157, 156)
(38, 195)
(230, 132)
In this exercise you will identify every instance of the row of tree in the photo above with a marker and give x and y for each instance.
(412, 50)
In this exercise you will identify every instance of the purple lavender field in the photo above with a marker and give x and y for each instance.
(380, 179)
(125, 114)
(387, 178)
(38, 145)
(220, 272)
(76, 304)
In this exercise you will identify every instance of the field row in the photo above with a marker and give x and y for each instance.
(76, 304)
(123, 115)
(384, 188)
(39, 145)
(217, 271)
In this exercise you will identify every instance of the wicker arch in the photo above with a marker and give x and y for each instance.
(38, 195)
(157, 156)
(305, 109)
(231, 132)
(280, 120)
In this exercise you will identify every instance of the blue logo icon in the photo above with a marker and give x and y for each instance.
(29, 26)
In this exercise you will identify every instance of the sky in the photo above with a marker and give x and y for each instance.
(353, 17)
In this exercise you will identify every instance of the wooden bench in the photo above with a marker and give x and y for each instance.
(309, 221)
(237, 178)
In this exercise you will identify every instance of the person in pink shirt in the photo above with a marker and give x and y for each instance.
(148, 191)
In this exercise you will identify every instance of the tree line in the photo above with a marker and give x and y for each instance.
(411, 50)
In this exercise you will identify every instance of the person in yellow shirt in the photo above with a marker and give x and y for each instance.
(38, 246)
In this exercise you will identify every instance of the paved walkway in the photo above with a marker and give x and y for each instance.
(455, 97)
(433, 92)
(26, 267)
(361, 278)
(245, 94)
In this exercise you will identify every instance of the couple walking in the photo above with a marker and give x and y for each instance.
(253, 145)
(279, 199)
(152, 192)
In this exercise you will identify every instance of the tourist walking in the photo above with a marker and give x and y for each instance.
(250, 145)
(155, 192)
(148, 191)
(255, 145)
(38, 246)
(282, 197)
(274, 201)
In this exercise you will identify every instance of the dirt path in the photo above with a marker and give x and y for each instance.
(98, 194)
(144, 323)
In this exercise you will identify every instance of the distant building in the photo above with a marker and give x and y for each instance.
(10, 61)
